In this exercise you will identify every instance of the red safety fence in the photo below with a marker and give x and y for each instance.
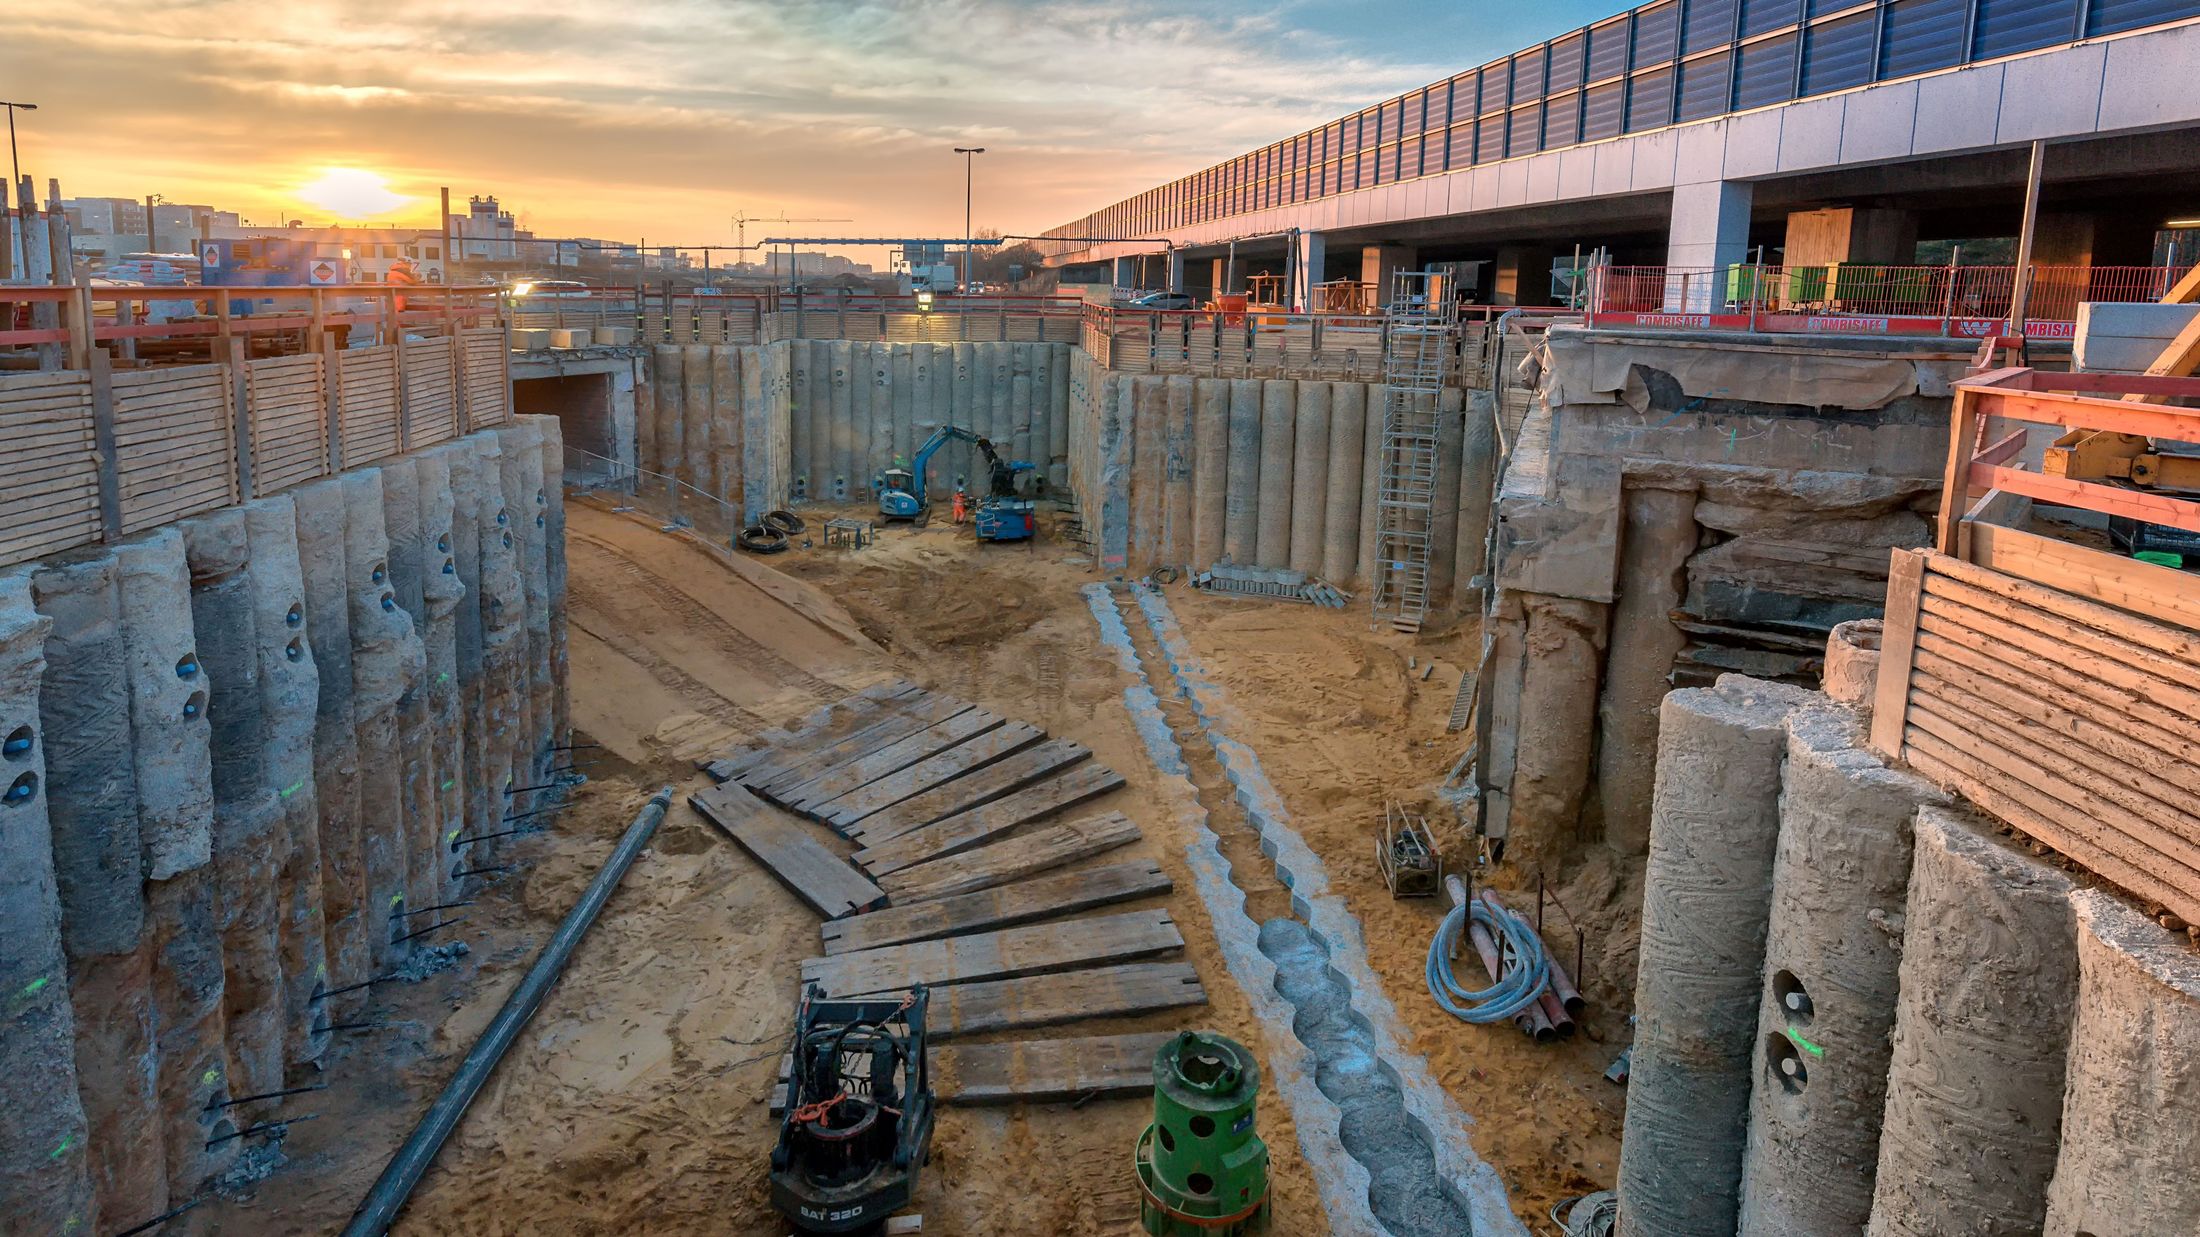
(1860, 298)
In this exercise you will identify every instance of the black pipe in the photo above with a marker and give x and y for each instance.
(382, 1204)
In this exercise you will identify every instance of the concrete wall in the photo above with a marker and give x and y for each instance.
(759, 426)
(227, 768)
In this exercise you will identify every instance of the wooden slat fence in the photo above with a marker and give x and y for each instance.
(175, 443)
(485, 376)
(288, 398)
(431, 394)
(49, 465)
(367, 403)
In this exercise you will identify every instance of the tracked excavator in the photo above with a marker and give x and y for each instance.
(1002, 514)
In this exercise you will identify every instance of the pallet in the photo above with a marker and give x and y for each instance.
(914, 715)
(1045, 897)
(937, 770)
(1035, 949)
(979, 825)
(801, 862)
(1071, 996)
(1030, 1071)
(825, 725)
(892, 758)
(1002, 862)
(967, 792)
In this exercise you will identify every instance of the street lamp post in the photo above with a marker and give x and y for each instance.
(969, 154)
(15, 166)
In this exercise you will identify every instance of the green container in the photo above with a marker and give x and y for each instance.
(1202, 1170)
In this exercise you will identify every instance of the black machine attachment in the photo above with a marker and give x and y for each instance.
(858, 1122)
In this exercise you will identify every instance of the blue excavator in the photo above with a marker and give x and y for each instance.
(1002, 514)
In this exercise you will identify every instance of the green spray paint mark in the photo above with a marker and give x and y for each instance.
(36, 986)
(291, 789)
(443, 677)
(397, 899)
(68, 1144)
(448, 783)
(1806, 1045)
(212, 1076)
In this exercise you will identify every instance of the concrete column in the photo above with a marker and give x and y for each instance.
(1982, 1028)
(1218, 273)
(1477, 493)
(1341, 519)
(669, 392)
(503, 653)
(877, 446)
(1309, 260)
(1210, 470)
(1709, 230)
(1126, 272)
(905, 381)
(761, 422)
(290, 691)
(798, 415)
(1175, 277)
(818, 466)
(965, 407)
(552, 512)
(442, 593)
(1558, 702)
(465, 553)
(1657, 536)
(1310, 478)
(1147, 416)
(1241, 497)
(645, 416)
(416, 810)
(45, 1165)
(930, 372)
(725, 423)
(843, 435)
(386, 664)
(623, 422)
(524, 497)
(1117, 428)
(1832, 965)
(1523, 276)
(1707, 897)
(321, 523)
(1279, 400)
(1444, 503)
(1176, 470)
(1371, 397)
(1873, 235)
(186, 957)
(1058, 414)
(695, 428)
(250, 837)
(1379, 262)
(91, 803)
(2128, 1143)
(1019, 401)
(1001, 358)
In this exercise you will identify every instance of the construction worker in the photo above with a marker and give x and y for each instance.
(403, 274)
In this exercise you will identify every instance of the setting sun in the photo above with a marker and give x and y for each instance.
(352, 193)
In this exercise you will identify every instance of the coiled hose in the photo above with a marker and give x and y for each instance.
(1514, 993)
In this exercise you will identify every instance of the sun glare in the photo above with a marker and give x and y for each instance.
(352, 193)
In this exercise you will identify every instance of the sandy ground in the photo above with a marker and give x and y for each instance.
(633, 1102)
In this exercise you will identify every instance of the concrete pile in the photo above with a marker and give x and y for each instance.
(236, 754)
(755, 426)
(1272, 473)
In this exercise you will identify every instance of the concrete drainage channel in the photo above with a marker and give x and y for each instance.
(1365, 1123)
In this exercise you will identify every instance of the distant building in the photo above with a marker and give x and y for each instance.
(333, 254)
(488, 233)
(103, 229)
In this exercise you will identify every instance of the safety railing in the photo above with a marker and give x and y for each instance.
(1264, 343)
(1851, 297)
(59, 327)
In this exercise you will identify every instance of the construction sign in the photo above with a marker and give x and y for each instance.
(323, 272)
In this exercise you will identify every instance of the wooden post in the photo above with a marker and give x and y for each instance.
(79, 321)
(332, 398)
(103, 440)
(221, 324)
(240, 388)
(457, 372)
(318, 329)
(404, 404)
(1898, 647)
(1955, 491)
(394, 330)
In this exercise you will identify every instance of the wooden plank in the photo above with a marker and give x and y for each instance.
(1002, 862)
(786, 775)
(821, 725)
(892, 758)
(1071, 996)
(2064, 648)
(1044, 897)
(2073, 719)
(1036, 1071)
(963, 793)
(943, 766)
(1905, 581)
(800, 860)
(1034, 949)
(2080, 575)
(982, 824)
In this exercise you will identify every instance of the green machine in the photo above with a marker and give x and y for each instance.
(1202, 1171)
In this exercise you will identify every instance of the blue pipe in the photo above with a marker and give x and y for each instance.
(1513, 994)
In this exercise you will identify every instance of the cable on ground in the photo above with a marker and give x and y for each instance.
(1518, 943)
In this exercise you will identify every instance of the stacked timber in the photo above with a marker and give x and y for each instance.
(970, 873)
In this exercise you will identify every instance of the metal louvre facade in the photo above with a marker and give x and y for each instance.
(1666, 62)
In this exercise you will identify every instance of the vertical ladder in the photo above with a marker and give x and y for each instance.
(1420, 327)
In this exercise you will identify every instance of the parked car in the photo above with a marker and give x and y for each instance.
(1164, 300)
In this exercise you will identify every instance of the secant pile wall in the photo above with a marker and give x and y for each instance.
(1173, 470)
(236, 755)
(1671, 509)
(757, 426)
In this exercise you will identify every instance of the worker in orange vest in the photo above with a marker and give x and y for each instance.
(404, 275)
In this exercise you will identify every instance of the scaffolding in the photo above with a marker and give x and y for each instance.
(1419, 330)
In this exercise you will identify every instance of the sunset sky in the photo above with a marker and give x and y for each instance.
(660, 118)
